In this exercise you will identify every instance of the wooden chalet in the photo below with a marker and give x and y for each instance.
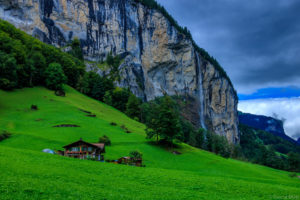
(84, 150)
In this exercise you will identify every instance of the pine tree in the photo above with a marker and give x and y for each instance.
(133, 107)
(294, 161)
(8, 71)
(76, 49)
(165, 124)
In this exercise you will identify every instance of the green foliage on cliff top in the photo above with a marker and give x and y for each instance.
(27, 173)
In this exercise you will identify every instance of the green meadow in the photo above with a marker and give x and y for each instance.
(28, 173)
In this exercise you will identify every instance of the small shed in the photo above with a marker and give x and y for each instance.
(130, 161)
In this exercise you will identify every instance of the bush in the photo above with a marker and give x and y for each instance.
(34, 107)
(55, 77)
(135, 155)
(105, 139)
(4, 135)
(113, 124)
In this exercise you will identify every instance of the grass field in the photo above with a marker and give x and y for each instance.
(27, 173)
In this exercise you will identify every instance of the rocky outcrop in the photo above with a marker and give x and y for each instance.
(157, 58)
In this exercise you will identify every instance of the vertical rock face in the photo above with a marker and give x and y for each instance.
(157, 58)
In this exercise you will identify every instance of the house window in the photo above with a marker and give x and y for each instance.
(75, 148)
(90, 149)
(84, 148)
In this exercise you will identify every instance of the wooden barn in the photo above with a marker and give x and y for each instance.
(84, 150)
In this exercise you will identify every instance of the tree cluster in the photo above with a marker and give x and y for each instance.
(102, 88)
(269, 150)
(26, 62)
(162, 119)
(165, 123)
(94, 85)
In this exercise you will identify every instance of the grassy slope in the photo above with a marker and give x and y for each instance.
(26, 173)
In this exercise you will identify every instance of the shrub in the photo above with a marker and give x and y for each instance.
(135, 155)
(34, 107)
(113, 124)
(4, 135)
(55, 77)
(105, 139)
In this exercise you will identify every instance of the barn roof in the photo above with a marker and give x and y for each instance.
(99, 145)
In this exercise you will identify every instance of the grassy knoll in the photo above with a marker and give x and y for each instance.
(27, 173)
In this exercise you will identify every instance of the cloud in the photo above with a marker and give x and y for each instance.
(283, 108)
(257, 42)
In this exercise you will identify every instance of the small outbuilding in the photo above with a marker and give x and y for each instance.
(130, 161)
(84, 150)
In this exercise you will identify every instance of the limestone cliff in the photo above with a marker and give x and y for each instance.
(157, 57)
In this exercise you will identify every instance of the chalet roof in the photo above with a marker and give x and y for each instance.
(96, 145)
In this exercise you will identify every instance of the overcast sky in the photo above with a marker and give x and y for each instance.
(257, 42)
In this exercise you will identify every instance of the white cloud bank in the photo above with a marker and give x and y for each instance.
(287, 108)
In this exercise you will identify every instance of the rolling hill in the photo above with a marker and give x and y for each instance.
(27, 173)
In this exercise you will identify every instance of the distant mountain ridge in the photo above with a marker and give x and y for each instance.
(265, 123)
